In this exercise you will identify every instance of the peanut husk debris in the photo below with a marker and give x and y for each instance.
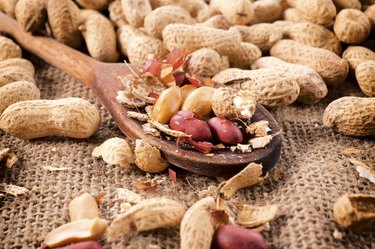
(7, 158)
(355, 212)
(250, 175)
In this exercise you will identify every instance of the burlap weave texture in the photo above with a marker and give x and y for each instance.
(311, 174)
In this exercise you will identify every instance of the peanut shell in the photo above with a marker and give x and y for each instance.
(355, 55)
(196, 229)
(147, 215)
(115, 151)
(31, 14)
(64, 19)
(352, 26)
(331, 67)
(365, 74)
(312, 86)
(16, 92)
(156, 20)
(263, 35)
(99, 35)
(9, 49)
(71, 117)
(353, 116)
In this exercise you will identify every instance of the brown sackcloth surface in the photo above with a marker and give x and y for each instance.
(311, 174)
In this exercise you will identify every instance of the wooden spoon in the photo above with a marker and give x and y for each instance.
(102, 78)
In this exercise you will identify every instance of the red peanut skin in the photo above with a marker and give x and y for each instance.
(234, 237)
(83, 245)
(185, 122)
(225, 131)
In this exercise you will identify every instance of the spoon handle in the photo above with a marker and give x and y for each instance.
(80, 66)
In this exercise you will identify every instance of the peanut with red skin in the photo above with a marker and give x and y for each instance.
(233, 237)
(225, 131)
(92, 244)
(186, 122)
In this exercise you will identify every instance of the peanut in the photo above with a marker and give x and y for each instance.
(245, 55)
(16, 92)
(355, 55)
(330, 67)
(9, 49)
(199, 101)
(156, 20)
(370, 13)
(8, 7)
(352, 26)
(148, 158)
(84, 245)
(314, 35)
(138, 46)
(231, 236)
(198, 9)
(273, 87)
(235, 11)
(353, 116)
(282, 25)
(263, 35)
(191, 38)
(76, 231)
(312, 86)
(63, 19)
(217, 21)
(71, 117)
(31, 14)
(115, 13)
(293, 15)
(206, 62)
(147, 215)
(15, 73)
(115, 151)
(347, 4)
(18, 62)
(225, 131)
(186, 90)
(185, 122)
(167, 104)
(83, 206)
(266, 11)
(365, 74)
(99, 35)
(135, 11)
(230, 103)
(196, 229)
(96, 5)
(316, 11)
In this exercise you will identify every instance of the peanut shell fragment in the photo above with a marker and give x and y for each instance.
(147, 215)
(255, 216)
(148, 158)
(355, 212)
(250, 175)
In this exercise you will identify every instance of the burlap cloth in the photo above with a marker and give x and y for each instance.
(311, 174)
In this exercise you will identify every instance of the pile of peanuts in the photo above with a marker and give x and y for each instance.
(222, 57)
(307, 45)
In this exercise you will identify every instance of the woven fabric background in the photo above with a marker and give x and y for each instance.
(311, 174)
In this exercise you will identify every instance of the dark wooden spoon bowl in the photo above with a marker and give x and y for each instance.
(102, 78)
